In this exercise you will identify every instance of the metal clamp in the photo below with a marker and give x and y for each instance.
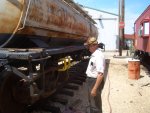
(66, 64)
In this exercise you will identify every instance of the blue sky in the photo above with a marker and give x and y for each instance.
(133, 9)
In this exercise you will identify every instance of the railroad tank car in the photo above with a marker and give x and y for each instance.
(142, 35)
(39, 40)
(52, 21)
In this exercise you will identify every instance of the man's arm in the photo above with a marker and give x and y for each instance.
(97, 84)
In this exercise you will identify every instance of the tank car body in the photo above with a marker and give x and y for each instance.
(142, 34)
(38, 41)
(52, 21)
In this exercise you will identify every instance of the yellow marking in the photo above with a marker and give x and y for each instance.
(66, 64)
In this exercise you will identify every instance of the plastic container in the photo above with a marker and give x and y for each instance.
(134, 69)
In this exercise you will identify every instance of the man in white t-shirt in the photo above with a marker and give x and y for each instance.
(95, 72)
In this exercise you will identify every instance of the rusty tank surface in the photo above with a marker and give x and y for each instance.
(41, 46)
(52, 21)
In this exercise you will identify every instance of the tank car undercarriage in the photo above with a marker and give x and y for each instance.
(143, 56)
(28, 75)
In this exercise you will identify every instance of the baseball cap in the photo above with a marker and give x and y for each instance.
(91, 41)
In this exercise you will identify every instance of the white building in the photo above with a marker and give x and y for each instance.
(107, 24)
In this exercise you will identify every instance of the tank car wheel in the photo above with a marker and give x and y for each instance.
(13, 93)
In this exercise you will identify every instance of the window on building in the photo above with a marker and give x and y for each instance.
(144, 29)
(140, 31)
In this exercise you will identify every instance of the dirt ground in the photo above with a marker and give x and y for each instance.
(120, 94)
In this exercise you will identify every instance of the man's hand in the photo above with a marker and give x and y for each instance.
(97, 84)
(93, 92)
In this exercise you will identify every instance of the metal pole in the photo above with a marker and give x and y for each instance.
(121, 29)
(120, 48)
(123, 7)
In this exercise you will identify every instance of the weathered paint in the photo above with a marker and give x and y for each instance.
(10, 12)
(142, 43)
(49, 18)
(57, 16)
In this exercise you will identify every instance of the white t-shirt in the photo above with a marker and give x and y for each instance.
(96, 64)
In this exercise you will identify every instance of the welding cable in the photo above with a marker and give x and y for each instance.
(17, 27)
(108, 95)
(24, 22)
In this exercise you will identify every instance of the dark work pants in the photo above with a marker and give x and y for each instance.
(95, 103)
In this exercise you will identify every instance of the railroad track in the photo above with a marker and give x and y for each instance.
(147, 66)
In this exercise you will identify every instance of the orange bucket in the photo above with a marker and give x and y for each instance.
(134, 69)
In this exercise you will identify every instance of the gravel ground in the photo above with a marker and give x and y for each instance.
(120, 94)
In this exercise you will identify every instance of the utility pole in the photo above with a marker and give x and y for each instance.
(121, 26)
